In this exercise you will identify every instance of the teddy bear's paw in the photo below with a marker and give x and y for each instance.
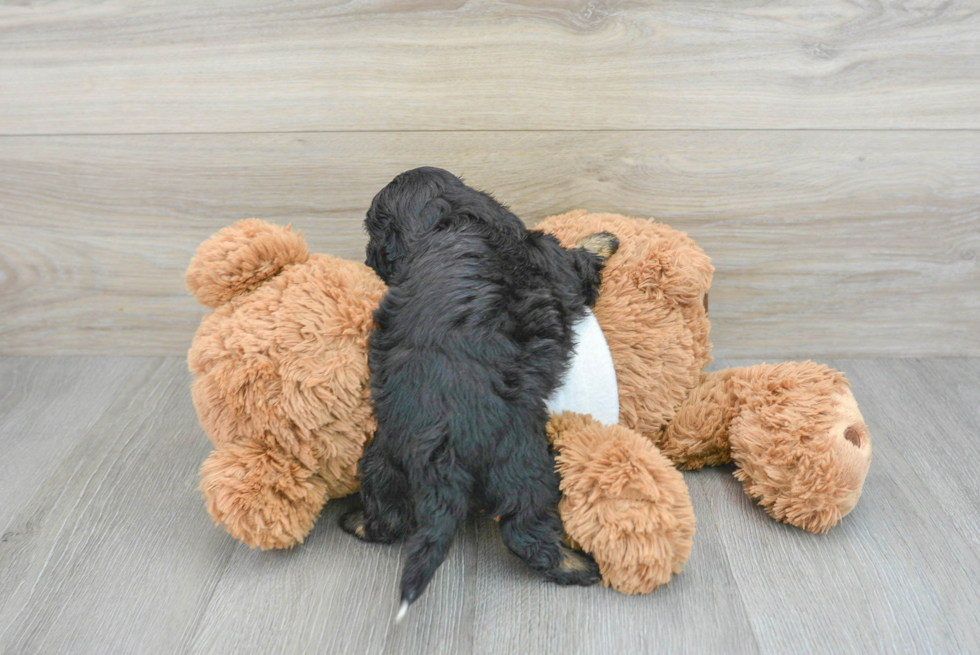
(802, 447)
(624, 503)
(263, 498)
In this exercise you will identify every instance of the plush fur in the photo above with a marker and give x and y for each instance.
(281, 388)
(622, 501)
(810, 476)
(280, 379)
(794, 429)
(471, 338)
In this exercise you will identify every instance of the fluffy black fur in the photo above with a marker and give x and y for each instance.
(471, 338)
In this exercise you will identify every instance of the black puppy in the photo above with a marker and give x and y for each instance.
(471, 338)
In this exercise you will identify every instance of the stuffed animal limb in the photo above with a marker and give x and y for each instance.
(793, 430)
(622, 502)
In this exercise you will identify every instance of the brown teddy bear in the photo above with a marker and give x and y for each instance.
(281, 389)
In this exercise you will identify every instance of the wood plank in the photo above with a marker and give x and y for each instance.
(701, 611)
(115, 553)
(335, 594)
(942, 398)
(825, 243)
(47, 406)
(897, 575)
(166, 66)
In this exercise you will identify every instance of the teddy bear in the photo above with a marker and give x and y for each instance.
(281, 388)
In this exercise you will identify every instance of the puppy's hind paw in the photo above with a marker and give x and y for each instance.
(601, 244)
(577, 567)
(355, 523)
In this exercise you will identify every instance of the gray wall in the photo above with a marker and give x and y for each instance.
(829, 164)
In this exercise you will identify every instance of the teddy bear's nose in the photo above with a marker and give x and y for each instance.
(853, 434)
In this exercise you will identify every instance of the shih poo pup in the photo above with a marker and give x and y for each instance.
(473, 335)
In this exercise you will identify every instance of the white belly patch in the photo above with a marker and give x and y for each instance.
(590, 384)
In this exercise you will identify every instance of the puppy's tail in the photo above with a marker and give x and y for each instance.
(439, 513)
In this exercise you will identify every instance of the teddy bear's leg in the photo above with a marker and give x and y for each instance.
(622, 502)
(793, 429)
(698, 435)
(262, 495)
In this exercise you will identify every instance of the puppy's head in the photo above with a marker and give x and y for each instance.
(407, 207)
(412, 204)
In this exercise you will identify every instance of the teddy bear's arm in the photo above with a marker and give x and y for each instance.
(622, 502)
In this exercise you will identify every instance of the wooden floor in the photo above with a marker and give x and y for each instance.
(106, 547)
(825, 154)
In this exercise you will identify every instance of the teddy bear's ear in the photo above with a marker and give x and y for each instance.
(240, 257)
(658, 260)
(672, 265)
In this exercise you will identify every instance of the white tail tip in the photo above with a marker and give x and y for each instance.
(402, 611)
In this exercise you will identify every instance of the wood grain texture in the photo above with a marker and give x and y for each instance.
(37, 440)
(944, 398)
(185, 66)
(825, 243)
(335, 594)
(114, 552)
(899, 574)
(702, 610)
